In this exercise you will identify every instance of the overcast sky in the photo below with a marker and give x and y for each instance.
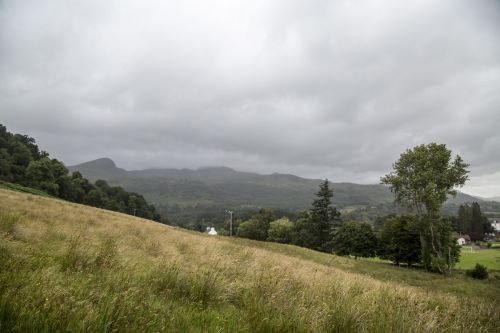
(333, 89)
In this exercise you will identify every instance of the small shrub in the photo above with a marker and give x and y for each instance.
(488, 245)
(438, 265)
(479, 272)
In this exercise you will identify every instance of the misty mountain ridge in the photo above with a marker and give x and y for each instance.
(497, 199)
(224, 186)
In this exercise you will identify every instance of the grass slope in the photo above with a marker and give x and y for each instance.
(20, 188)
(67, 267)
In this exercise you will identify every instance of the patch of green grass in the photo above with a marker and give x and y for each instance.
(376, 259)
(20, 188)
(486, 257)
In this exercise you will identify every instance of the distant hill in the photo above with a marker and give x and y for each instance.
(102, 168)
(225, 187)
(497, 199)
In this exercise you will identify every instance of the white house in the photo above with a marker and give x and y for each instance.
(463, 240)
(212, 231)
(495, 224)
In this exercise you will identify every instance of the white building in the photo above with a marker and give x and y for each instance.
(212, 231)
(463, 240)
(495, 224)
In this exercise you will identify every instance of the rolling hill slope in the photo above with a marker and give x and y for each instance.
(228, 187)
(68, 267)
(224, 187)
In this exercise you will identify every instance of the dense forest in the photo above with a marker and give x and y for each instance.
(22, 162)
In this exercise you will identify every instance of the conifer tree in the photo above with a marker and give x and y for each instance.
(324, 219)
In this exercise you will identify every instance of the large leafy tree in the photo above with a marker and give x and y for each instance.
(423, 178)
(42, 174)
(257, 226)
(250, 229)
(281, 231)
(399, 240)
(355, 238)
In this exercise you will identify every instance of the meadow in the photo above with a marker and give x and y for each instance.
(468, 259)
(486, 257)
(68, 267)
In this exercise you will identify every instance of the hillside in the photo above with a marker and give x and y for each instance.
(222, 187)
(68, 267)
(497, 199)
(228, 187)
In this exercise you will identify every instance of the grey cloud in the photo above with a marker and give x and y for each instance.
(332, 89)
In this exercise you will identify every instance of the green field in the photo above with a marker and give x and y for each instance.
(486, 257)
(66, 267)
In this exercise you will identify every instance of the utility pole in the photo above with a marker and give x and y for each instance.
(230, 222)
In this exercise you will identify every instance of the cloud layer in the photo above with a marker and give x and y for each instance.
(333, 89)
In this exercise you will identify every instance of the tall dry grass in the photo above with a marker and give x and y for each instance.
(67, 267)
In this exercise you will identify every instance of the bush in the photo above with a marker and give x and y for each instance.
(355, 238)
(251, 229)
(280, 231)
(479, 272)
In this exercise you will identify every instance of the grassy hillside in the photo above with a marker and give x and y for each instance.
(67, 267)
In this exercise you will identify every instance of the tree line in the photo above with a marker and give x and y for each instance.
(23, 163)
(470, 221)
(321, 228)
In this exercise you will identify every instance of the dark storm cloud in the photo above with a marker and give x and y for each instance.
(332, 89)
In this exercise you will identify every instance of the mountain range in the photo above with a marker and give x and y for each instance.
(225, 187)
(497, 199)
